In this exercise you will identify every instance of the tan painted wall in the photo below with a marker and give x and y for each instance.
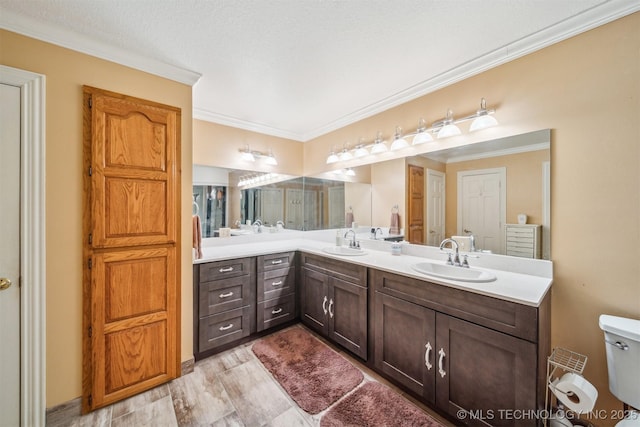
(218, 145)
(66, 71)
(524, 186)
(586, 89)
(386, 178)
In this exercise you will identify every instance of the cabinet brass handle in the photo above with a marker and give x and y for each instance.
(330, 305)
(226, 270)
(278, 311)
(4, 283)
(324, 305)
(278, 283)
(440, 360)
(427, 356)
(279, 261)
(224, 328)
(227, 295)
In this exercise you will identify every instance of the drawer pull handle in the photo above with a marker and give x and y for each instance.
(276, 262)
(226, 270)
(278, 311)
(440, 360)
(427, 356)
(278, 283)
(227, 295)
(224, 328)
(330, 305)
(324, 305)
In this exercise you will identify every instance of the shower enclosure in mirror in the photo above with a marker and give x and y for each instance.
(239, 199)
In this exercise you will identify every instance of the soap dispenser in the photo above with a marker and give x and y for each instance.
(338, 238)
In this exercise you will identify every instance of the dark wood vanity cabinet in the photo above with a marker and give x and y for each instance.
(333, 301)
(459, 350)
(276, 289)
(224, 303)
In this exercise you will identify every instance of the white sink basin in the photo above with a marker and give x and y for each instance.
(344, 251)
(451, 272)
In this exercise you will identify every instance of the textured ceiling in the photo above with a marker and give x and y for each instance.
(301, 68)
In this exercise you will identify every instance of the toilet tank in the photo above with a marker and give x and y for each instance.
(622, 342)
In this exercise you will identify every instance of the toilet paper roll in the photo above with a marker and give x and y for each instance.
(575, 392)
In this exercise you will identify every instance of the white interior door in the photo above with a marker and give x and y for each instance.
(482, 207)
(294, 217)
(10, 255)
(271, 208)
(435, 207)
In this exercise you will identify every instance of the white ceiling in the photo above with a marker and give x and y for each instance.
(301, 68)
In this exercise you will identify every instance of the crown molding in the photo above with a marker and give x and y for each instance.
(62, 37)
(222, 119)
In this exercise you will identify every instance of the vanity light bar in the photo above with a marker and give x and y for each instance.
(442, 128)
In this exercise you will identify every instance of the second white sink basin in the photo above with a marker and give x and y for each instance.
(344, 251)
(451, 272)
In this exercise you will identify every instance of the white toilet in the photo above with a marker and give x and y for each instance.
(622, 341)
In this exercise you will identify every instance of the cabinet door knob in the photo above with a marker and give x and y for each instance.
(324, 305)
(427, 356)
(440, 360)
(330, 305)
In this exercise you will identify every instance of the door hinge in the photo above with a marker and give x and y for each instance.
(90, 399)
(90, 171)
(90, 263)
(90, 331)
(90, 238)
(90, 102)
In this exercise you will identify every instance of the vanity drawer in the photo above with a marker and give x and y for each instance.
(276, 261)
(223, 269)
(276, 311)
(223, 295)
(355, 274)
(515, 319)
(223, 328)
(275, 283)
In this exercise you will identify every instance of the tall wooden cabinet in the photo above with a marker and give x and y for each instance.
(132, 241)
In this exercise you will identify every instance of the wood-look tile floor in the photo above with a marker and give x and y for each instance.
(228, 389)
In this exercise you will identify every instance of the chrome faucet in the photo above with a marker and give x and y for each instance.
(375, 233)
(472, 240)
(280, 223)
(257, 226)
(353, 243)
(456, 258)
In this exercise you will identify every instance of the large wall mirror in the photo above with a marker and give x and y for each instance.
(250, 202)
(486, 189)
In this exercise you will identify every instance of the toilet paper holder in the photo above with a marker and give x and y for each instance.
(565, 361)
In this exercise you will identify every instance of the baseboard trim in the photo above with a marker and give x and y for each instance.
(187, 366)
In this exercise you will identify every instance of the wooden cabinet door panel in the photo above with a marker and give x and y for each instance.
(132, 322)
(131, 300)
(133, 173)
(415, 196)
(314, 300)
(484, 371)
(348, 316)
(404, 342)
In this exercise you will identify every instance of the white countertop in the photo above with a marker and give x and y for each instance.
(518, 280)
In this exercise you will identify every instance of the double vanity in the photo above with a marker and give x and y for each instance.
(459, 339)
